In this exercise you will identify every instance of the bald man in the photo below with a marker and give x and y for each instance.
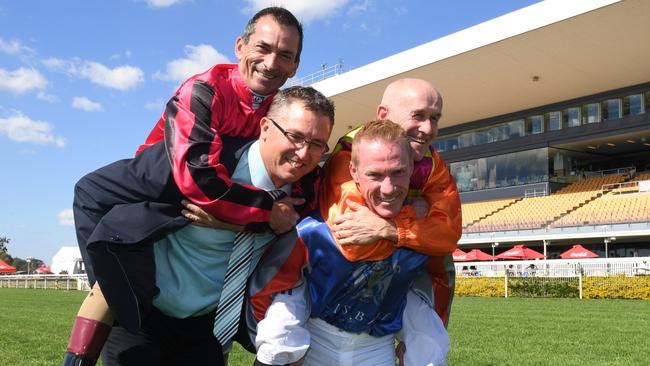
(430, 223)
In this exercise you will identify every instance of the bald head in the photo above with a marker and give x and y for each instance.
(416, 106)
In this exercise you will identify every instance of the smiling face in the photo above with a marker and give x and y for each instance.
(382, 174)
(270, 56)
(284, 161)
(416, 106)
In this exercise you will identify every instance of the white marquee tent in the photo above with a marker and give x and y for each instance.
(67, 259)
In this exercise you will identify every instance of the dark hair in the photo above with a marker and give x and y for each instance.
(312, 100)
(282, 16)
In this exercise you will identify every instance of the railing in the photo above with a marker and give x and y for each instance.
(54, 282)
(535, 193)
(557, 267)
(324, 73)
(604, 218)
(617, 171)
(618, 188)
(623, 278)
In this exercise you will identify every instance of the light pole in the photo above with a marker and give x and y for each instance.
(607, 241)
(494, 245)
(28, 260)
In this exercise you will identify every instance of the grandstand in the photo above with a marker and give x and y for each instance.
(546, 123)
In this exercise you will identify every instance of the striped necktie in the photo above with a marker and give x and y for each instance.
(226, 320)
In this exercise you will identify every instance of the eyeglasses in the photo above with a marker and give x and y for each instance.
(299, 141)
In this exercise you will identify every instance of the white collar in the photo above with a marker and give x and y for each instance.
(259, 175)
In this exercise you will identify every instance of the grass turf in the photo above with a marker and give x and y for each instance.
(35, 325)
(534, 331)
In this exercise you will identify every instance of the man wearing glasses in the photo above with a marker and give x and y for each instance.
(193, 264)
(300, 141)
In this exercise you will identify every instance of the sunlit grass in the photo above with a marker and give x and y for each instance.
(35, 325)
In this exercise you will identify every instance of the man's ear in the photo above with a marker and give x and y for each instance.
(382, 112)
(239, 46)
(354, 172)
(265, 124)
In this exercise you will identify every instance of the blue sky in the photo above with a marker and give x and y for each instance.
(83, 81)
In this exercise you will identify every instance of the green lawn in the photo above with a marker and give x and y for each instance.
(35, 324)
(534, 331)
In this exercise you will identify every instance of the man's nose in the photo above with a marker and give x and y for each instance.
(270, 61)
(387, 186)
(303, 151)
(426, 127)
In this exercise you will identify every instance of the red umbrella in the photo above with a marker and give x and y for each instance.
(520, 252)
(578, 251)
(44, 270)
(474, 255)
(458, 255)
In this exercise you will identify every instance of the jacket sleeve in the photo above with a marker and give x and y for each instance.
(438, 233)
(192, 123)
(307, 187)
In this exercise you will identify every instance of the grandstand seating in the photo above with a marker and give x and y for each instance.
(642, 176)
(610, 209)
(538, 212)
(475, 211)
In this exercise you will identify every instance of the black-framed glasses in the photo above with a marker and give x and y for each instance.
(300, 141)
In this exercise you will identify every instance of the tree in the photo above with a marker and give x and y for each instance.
(3, 250)
(21, 264)
(3, 244)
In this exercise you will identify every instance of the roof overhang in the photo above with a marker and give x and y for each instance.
(574, 48)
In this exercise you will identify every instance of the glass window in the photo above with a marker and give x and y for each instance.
(572, 116)
(481, 137)
(466, 139)
(592, 112)
(611, 109)
(465, 173)
(535, 124)
(647, 101)
(633, 105)
(439, 145)
(502, 170)
(451, 143)
(493, 134)
(516, 128)
(554, 120)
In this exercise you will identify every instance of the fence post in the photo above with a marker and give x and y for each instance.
(505, 281)
(580, 284)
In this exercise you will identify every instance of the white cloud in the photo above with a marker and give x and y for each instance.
(359, 8)
(14, 47)
(305, 11)
(86, 104)
(22, 80)
(47, 97)
(21, 128)
(162, 3)
(57, 63)
(199, 58)
(118, 56)
(121, 77)
(66, 217)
